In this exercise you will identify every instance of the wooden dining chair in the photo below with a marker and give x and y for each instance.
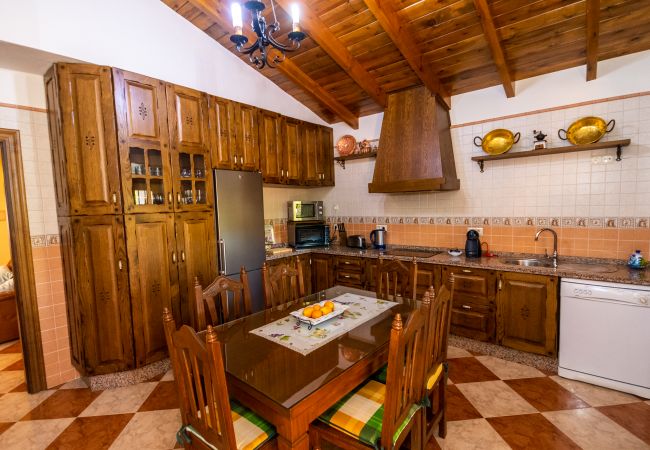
(282, 283)
(435, 365)
(375, 415)
(223, 300)
(396, 279)
(209, 418)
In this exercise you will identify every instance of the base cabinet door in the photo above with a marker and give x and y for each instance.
(153, 281)
(527, 312)
(428, 275)
(321, 272)
(197, 257)
(101, 292)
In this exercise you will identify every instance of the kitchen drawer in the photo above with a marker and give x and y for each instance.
(461, 298)
(349, 278)
(473, 321)
(349, 263)
(474, 282)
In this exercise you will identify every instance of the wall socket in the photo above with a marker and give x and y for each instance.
(479, 229)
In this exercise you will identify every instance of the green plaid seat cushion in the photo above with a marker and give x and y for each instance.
(380, 375)
(360, 414)
(251, 431)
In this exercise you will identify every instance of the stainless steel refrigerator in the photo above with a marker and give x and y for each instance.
(240, 228)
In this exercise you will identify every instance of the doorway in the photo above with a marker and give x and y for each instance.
(22, 266)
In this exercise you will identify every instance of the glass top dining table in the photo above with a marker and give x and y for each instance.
(286, 376)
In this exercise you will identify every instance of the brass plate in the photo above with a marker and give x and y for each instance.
(497, 141)
(587, 130)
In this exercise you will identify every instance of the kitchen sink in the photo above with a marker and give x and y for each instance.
(410, 252)
(532, 262)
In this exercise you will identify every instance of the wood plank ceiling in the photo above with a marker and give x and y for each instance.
(358, 51)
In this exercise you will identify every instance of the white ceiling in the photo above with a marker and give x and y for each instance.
(25, 59)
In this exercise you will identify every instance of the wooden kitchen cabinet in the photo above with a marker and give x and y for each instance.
(428, 275)
(350, 271)
(527, 312)
(325, 158)
(247, 148)
(271, 152)
(83, 138)
(143, 141)
(304, 261)
(97, 288)
(196, 253)
(223, 133)
(291, 150)
(322, 273)
(151, 245)
(187, 112)
(473, 303)
(310, 154)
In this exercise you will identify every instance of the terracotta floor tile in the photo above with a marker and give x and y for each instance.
(531, 431)
(507, 370)
(15, 405)
(634, 417)
(150, 430)
(12, 347)
(455, 352)
(591, 429)
(169, 376)
(595, 395)
(18, 365)
(163, 397)
(458, 407)
(5, 426)
(495, 398)
(469, 370)
(63, 403)
(474, 434)
(121, 400)
(545, 394)
(79, 383)
(9, 379)
(33, 434)
(9, 359)
(22, 387)
(91, 433)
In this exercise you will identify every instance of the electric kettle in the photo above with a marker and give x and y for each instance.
(378, 238)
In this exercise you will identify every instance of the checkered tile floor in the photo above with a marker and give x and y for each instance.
(492, 404)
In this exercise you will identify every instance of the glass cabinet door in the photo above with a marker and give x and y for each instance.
(193, 182)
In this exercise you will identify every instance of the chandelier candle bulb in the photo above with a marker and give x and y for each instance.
(295, 17)
(237, 23)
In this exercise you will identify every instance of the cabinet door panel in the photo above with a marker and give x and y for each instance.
(325, 158)
(527, 312)
(310, 154)
(89, 137)
(270, 154)
(196, 244)
(321, 272)
(54, 121)
(102, 286)
(141, 110)
(428, 275)
(153, 279)
(223, 136)
(247, 136)
(291, 151)
(73, 305)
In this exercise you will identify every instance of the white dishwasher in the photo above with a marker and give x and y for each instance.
(605, 334)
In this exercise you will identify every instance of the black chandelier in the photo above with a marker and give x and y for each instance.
(258, 52)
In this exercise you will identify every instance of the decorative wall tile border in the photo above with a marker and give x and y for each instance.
(554, 222)
(45, 240)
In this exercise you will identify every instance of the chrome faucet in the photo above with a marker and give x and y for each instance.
(554, 244)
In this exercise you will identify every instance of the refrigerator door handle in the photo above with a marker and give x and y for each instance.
(222, 257)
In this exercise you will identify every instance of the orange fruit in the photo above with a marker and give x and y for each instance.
(307, 312)
(326, 311)
(329, 304)
(316, 307)
(316, 314)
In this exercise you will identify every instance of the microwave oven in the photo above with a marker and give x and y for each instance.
(298, 211)
(308, 234)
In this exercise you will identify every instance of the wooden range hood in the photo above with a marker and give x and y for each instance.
(415, 151)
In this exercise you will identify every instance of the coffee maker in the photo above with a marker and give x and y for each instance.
(472, 245)
(378, 238)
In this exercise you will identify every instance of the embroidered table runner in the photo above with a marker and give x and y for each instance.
(296, 336)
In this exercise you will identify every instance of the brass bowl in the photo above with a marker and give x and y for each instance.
(586, 130)
(497, 141)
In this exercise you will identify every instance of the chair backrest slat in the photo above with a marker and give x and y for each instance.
(201, 381)
(438, 324)
(396, 279)
(223, 300)
(282, 283)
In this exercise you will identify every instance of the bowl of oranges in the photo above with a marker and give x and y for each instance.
(319, 312)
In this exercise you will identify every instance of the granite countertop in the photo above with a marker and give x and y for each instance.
(569, 267)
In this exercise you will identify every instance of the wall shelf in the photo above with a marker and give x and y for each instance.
(555, 151)
(340, 160)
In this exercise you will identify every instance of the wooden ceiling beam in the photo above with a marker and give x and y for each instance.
(593, 19)
(319, 32)
(287, 67)
(490, 32)
(408, 47)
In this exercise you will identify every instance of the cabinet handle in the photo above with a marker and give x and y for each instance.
(119, 264)
(500, 283)
(466, 271)
(346, 276)
(182, 255)
(170, 199)
(174, 257)
(287, 173)
(466, 307)
(115, 198)
(346, 262)
(241, 160)
(178, 198)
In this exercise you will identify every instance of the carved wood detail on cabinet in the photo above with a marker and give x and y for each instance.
(270, 138)
(247, 137)
(223, 133)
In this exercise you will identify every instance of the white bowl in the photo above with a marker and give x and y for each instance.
(455, 252)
